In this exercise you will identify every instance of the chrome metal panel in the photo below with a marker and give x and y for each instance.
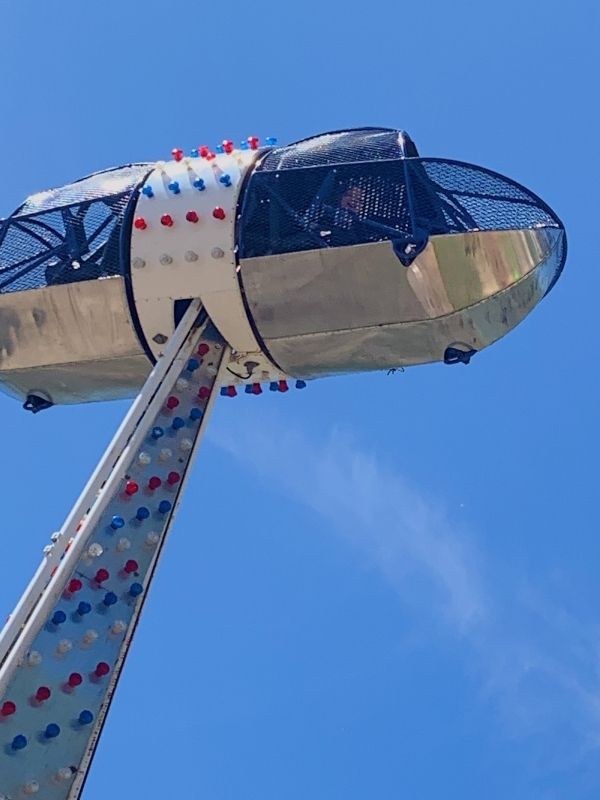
(355, 287)
(76, 342)
(321, 315)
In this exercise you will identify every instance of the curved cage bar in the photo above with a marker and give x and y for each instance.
(69, 234)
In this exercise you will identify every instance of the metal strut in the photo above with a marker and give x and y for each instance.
(63, 648)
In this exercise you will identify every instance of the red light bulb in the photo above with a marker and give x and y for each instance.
(131, 566)
(231, 391)
(131, 488)
(204, 150)
(203, 393)
(102, 575)
(154, 482)
(192, 216)
(253, 142)
(256, 388)
(177, 153)
(42, 694)
(74, 585)
(218, 213)
(141, 224)
(203, 349)
(102, 669)
(166, 220)
(172, 403)
(8, 709)
(75, 679)
(228, 145)
(283, 386)
(173, 478)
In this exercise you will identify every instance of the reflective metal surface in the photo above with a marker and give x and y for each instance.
(357, 308)
(74, 342)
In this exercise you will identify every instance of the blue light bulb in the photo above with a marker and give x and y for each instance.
(52, 731)
(177, 423)
(19, 742)
(300, 384)
(197, 413)
(273, 386)
(157, 432)
(110, 598)
(271, 140)
(244, 145)
(220, 148)
(117, 522)
(148, 191)
(174, 187)
(199, 184)
(193, 364)
(136, 589)
(225, 179)
(223, 393)
(194, 153)
(83, 608)
(142, 513)
(59, 617)
(86, 717)
(164, 506)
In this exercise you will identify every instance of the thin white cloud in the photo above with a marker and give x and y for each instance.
(536, 663)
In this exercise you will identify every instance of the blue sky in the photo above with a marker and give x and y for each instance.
(381, 586)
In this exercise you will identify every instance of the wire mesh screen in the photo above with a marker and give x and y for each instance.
(68, 234)
(357, 187)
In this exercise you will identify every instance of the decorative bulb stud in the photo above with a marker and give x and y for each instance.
(102, 669)
(148, 191)
(140, 223)
(74, 680)
(167, 221)
(102, 575)
(131, 488)
(192, 216)
(218, 213)
(177, 153)
(8, 708)
(42, 694)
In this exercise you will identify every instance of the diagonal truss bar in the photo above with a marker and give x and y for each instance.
(63, 649)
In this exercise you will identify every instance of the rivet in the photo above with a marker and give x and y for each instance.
(190, 256)
(217, 252)
(165, 259)
(138, 263)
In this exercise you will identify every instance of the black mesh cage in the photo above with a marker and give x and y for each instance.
(370, 185)
(68, 234)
